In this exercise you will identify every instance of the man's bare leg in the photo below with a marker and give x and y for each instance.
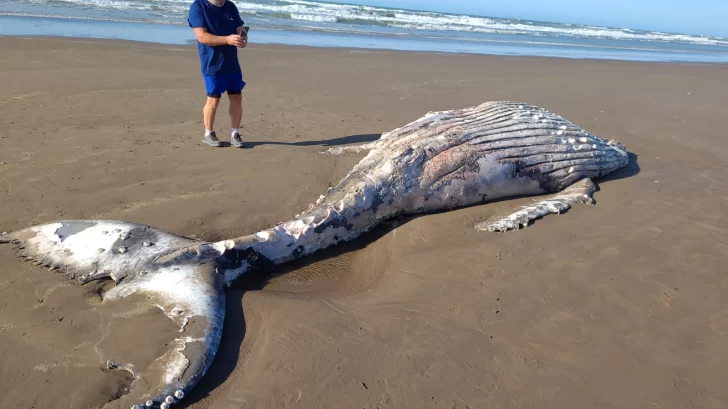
(208, 118)
(236, 117)
(236, 110)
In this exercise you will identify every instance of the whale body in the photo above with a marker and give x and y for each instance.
(443, 160)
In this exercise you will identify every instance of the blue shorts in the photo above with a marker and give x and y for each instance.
(216, 85)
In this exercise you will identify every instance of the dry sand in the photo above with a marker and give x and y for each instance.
(619, 305)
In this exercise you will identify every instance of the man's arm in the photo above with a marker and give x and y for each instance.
(212, 40)
(196, 20)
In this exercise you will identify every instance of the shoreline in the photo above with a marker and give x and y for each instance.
(173, 33)
(191, 45)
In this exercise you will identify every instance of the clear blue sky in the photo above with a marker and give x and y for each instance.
(706, 17)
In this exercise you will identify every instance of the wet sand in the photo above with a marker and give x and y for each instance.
(619, 305)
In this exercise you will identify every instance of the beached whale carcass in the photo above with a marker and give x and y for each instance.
(443, 160)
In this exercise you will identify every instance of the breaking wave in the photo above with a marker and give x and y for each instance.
(330, 16)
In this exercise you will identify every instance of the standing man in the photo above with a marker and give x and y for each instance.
(217, 25)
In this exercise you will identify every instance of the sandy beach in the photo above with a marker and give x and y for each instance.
(619, 305)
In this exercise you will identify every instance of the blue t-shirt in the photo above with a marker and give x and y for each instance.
(219, 21)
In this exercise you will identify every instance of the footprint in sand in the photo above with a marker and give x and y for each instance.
(7, 326)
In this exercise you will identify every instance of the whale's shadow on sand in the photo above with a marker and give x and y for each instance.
(632, 169)
(234, 329)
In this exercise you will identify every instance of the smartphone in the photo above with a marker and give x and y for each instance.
(244, 33)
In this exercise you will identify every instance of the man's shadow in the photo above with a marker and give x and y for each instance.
(345, 140)
(234, 328)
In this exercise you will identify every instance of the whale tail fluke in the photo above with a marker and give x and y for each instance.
(580, 192)
(187, 288)
(86, 250)
(192, 296)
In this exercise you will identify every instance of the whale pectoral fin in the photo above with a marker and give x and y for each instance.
(579, 192)
(338, 150)
(192, 296)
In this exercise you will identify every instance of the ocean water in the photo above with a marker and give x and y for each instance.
(317, 23)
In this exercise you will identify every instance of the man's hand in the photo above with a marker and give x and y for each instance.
(237, 40)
